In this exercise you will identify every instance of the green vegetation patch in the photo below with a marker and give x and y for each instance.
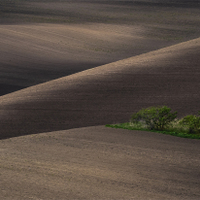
(160, 119)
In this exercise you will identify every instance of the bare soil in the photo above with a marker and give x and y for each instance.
(99, 163)
(44, 40)
(144, 53)
(108, 93)
(31, 54)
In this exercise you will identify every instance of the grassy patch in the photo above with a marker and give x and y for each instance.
(170, 131)
(161, 119)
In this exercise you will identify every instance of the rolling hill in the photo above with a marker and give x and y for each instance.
(108, 93)
(69, 67)
(99, 163)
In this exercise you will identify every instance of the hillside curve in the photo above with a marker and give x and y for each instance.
(108, 93)
(99, 163)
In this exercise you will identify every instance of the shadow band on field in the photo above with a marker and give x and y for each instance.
(30, 76)
(162, 3)
(107, 94)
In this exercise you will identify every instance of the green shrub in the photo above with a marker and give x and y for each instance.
(175, 126)
(155, 118)
(192, 122)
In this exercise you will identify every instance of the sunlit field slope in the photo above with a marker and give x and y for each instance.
(35, 53)
(67, 66)
(47, 39)
(108, 93)
(99, 163)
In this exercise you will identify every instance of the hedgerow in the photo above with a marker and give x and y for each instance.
(162, 119)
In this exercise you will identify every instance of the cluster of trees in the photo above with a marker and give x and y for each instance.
(162, 118)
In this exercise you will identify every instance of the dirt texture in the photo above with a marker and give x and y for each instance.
(107, 94)
(92, 63)
(36, 53)
(99, 163)
(48, 39)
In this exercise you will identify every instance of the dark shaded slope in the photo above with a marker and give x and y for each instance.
(36, 53)
(32, 52)
(107, 94)
(101, 11)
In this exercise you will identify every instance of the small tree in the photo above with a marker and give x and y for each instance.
(156, 118)
(192, 122)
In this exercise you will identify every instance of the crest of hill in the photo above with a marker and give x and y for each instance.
(107, 94)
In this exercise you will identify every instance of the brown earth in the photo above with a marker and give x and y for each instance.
(31, 54)
(47, 39)
(99, 163)
(107, 94)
